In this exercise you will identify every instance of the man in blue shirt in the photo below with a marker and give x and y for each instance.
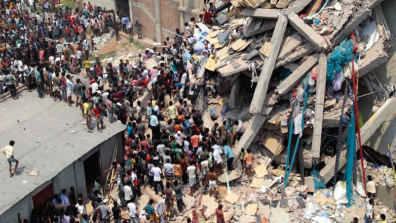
(228, 154)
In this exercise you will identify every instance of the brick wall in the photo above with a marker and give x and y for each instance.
(170, 17)
(148, 26)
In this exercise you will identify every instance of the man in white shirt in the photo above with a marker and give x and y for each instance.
(132, 211)
(217, 160)
(157, 178)
(127, 192)
(64, 198)
(70, 88)
(371, 186)
(369, 210)
(192, 177)
(8, 151)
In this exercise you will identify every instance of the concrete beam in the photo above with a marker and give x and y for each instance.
(366, 132)
(290, 43)
(297, 8)
(268, 67)
(236, 66)
(261, 13)
(350, 26)
(313, 37)
(302, 51)
(319, 105)
(299, 73)
(235, 93)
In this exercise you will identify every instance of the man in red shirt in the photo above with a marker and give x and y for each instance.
(219, 214)
(195, 140)
(99, 118)
(183, 166)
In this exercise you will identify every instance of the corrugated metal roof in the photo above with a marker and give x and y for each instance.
(42, 130)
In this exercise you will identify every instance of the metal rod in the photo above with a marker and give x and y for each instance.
(367, 94)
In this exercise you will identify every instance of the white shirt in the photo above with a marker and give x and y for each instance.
(186, 144)
(183, 78)
(127, 192)
(78, 54)
(160, 207)
(132, 210)
(81, 209)
(371, 187)
(157, 173)
(65, 200)
(191, 171)
(217, 156)
(369, 210)
(94, 87)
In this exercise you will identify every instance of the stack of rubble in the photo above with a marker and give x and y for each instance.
(254, 41)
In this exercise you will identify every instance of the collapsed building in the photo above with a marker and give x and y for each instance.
(279, 59)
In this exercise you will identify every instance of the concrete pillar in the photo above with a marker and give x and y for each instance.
(366, 132)
(181, 12)
(319, 105)
(299, 73)
(157, 10)
(268, 67)
(131, 11)
(79, 172)
(313, 37)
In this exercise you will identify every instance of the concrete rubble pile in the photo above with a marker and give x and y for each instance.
(268, 54)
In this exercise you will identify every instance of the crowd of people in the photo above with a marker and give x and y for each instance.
(167, 146)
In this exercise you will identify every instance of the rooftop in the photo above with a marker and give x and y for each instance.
(43, 132)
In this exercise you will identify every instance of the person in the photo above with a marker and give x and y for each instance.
(178, 195)
(369, 211)
(160, 208)
(87, 114)
(64, 198)
(218, 161)
(212, 181)
(157, 178)
(128, 193)
(371, 186)
(104, 210)
(138, 28)
(355, 220)
(219, 214)
(70, 89)
(8, 151)
(192, 177)
(229, 155)
(169, 199)
(169, 172)
(116, 213)
(132, 211)
(249, 162)
(383, 218)
(241, 158)
(150, 211)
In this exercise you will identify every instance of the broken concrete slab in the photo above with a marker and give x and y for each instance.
(366, 132)
(261, 13)
(262, 24)
(386, 195)
(301, 51)
(268, 67)
(313, 37)
(319, 106)
(375, 56)
(283, 4)
(235, 67)
(374, 3)
(350, 26)
(299, 73)
(290, 43)
(229, 214)
(298, 7)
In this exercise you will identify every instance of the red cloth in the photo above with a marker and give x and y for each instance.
(207, 17)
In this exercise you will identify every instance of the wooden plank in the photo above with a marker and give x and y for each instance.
(268, 67)
(299, 73)
(313, 8)
(319, 105)
(261, 13)
(368, 129)
(313, 37)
